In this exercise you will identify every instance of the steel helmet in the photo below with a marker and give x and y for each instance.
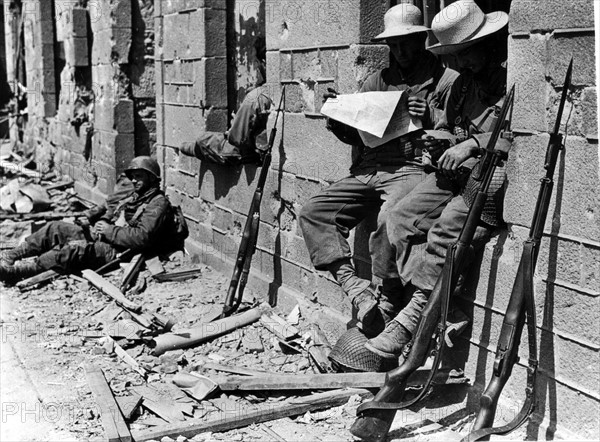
(146, 163)
(349, 354)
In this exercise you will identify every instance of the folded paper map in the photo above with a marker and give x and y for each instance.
(378, 116)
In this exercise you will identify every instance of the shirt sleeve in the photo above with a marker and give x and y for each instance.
(145, 230)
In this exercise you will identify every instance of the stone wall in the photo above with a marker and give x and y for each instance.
(90, 86)
(319, 44)
(544, 35)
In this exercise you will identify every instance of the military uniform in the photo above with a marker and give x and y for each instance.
(379, 177)
(139, 223)
(435, 211)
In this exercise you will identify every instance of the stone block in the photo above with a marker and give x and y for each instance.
(144, 86)
(118, 115)
(76, 51)
(77, 25)
(196, 34)
(210, 83)
(111, 46)
(589, 113)
(548, 15)
(182, 124)
(292, 24)
(110, 14)
(186, 184)
(357, 63)
(574, 206)
(572, 312)
(306, 155)
(581, 47)
(527, 71)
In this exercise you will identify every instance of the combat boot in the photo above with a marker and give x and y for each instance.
(390, 342)
(8, 258)
(21, 270)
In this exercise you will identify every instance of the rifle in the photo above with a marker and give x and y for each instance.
(521, 305)
(375, 417)
(239, 278)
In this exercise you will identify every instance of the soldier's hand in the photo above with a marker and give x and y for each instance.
(100, 227)
(451, 160)
(331, 93)
(417, 106)
(436, 147)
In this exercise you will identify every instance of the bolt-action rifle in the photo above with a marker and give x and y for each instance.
(375, 417)
(239, 278)
(521, 305)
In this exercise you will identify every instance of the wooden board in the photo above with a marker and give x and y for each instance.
(129, 405)
(236, 370)
(36, 280)
(273, 381)
(110, 290)
(278, 326)
(154, 266)
(131, 272)
(112, 420)
(256, 413)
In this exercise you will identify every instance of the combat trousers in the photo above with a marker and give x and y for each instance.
(327, 218)
(433, 213)
(65, 247)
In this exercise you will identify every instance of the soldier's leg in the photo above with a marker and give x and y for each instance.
(394, 188)
(326, 220)
(76, 256)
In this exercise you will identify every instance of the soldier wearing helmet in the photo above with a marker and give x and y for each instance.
(140, 221)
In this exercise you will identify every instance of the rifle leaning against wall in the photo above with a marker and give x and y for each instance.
(239, 278)
(375, 417)
(521, 304)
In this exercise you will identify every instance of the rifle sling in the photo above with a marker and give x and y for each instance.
(529, 404)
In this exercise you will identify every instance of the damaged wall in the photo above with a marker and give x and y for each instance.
(319, 44)
(90, 86)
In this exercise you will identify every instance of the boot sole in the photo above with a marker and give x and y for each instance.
(381, 353)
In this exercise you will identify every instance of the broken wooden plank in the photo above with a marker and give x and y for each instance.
(129, 405)
(154, 266)
(235, 370)
(20, 169)
(205, 332)
(112, 420)
(45, 216)
(278, 326)
(178, 276)
(60, 186)
(273, 381)
(131, 272)
(110, 290)
(257, 413)
(34, 281)
(318, 349)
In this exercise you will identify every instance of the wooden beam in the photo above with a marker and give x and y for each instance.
(178, 276)
(272, 381)
(256, 413)
(34, 281)
(278, 326)
(112, 420)
(237, 370)
(131, 272)
(110, 290)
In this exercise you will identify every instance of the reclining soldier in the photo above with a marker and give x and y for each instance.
(436, 209)
(381, 175)
(142, 222)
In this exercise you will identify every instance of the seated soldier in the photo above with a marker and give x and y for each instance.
(435, 211)
(143, 222)
(247, 138)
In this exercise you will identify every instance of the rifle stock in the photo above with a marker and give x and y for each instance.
(247, 247)
(521, 304)
(375, 418)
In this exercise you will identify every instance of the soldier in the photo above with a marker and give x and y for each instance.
(436, 209)
(143, 222)
(246, 140)
(381, 175)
